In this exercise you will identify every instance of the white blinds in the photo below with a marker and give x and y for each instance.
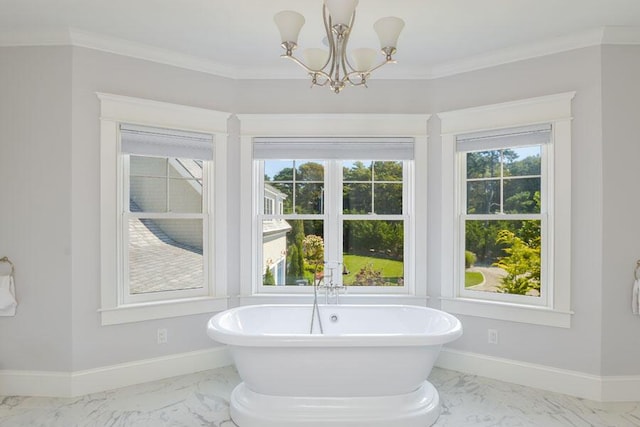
(333, 148)
(149, 141)
(503, 138)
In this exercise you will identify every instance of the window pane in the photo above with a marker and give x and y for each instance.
(159, 184)
(185, 168)
(503, 256)
(483, 164)
(309, 171)
(291, 251)
(165, 255)
(309, 198)
(147, 194)
(357, 198)
(185, 196)
(148, 166)
(278, 170)
(373, 253)
(387, 171)
(522, 195)
(281, 194)
(357, 170)
(483, 197)
(523, 161)
(388, 199)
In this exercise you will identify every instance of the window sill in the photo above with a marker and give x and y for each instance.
(161, 310)
(508, 311)
(344, 299)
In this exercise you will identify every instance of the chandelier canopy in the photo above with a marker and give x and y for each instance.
(332, 67)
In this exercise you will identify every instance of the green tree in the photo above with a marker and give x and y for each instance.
(268, 278)
(522, 264)
(294, 267)
(361, 180)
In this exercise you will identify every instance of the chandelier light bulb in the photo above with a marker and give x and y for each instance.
(388, 30)
(341, 10)
(315, 58)
(289, 24)
(363, 58)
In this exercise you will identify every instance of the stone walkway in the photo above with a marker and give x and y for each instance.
(492, 278)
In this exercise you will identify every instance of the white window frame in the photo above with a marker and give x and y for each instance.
(115, 110)
(555, 309)
(333, 126)
(127, 298)
(333, 220)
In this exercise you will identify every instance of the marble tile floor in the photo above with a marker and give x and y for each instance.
(202, 400)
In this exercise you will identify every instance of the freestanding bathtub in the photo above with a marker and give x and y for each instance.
(368, 368)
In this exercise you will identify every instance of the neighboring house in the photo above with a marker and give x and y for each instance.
(274, 235)
(173, 248)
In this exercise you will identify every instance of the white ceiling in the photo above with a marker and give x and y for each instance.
(239, 38)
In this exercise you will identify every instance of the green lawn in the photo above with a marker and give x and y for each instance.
(392, 270)
(472, 278)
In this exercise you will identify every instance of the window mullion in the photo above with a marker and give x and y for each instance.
(333, 228)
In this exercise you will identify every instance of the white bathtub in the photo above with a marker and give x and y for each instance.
(369, 368)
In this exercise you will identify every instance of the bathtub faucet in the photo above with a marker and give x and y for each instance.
(332, 290)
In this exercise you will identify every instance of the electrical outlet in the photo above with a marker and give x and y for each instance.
(162, 336)
(493, 336)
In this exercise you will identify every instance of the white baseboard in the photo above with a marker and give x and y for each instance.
(574, 383)
(72, 384)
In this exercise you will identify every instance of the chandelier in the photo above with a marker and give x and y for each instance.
(332, 67)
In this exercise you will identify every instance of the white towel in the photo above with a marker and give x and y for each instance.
(8, 301)
(635, 300)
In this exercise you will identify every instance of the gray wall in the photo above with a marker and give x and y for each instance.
(63, 140)
(621, 207)
(577, 348)
(93, 71)
(35, 205)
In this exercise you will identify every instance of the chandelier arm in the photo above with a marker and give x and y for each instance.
(365, 74)
(345, 57)
(327, 29)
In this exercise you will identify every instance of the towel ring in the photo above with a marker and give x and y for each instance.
(13, 269)
(637, 270)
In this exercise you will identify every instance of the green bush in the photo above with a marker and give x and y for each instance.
(469, 259)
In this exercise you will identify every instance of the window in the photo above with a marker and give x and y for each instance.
(342, 216)
(158, 210)
(312, 199)
(165, 210)
(503, 214)
(509, 204)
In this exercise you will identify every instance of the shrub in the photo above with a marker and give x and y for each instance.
(469, 259)
(368, 276)
(268, 278)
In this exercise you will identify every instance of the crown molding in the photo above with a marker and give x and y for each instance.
(149, 53)
(619, 35)
(537, 49)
